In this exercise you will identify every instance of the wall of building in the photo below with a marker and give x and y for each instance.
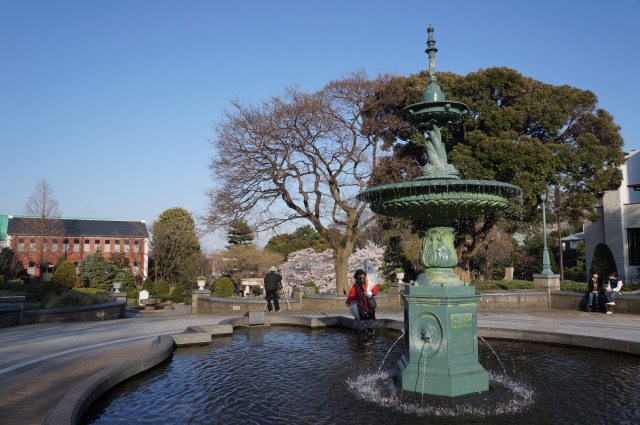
(27, 249)
(620, 211)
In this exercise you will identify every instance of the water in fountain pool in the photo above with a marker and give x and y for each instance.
(298, 376)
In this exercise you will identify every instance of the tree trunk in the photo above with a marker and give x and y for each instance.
(341, 256)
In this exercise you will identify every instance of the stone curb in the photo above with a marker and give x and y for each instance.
(71, 408)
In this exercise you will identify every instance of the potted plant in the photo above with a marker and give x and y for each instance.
(399, 274)
(202, 281)
(117, 286)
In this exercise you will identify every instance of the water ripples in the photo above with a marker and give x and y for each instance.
(290, 375)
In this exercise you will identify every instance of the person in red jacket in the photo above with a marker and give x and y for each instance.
(360, 299)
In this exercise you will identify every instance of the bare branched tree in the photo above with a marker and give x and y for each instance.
(303, 156)
(44, 207)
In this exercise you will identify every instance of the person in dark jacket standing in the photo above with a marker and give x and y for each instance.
(273, 285)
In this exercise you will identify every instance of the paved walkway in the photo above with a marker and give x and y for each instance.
(39, 364)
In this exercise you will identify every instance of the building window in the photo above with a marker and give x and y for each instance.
(32, 269)
(96, 245)
(21, 245)
(76, 245)
(45, 242)
(136, 269)
(77, 267)
(54, 245)
(65, 246)
(107, 246)
(126, 245)
(87, 245)
(116, 245)
(633, 246)
(136, 246)
(32, 245)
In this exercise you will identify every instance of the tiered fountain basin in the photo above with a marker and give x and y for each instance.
(439, 202)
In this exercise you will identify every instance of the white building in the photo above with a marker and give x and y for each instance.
(619, 225)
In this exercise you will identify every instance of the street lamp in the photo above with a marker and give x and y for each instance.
(546, 264)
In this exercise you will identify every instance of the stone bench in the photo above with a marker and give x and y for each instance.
(150, 303)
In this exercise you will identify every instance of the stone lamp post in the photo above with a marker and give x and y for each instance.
(546, 281)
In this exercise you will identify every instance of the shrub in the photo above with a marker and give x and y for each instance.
(224, 287)
(160, 289)
(603, 261)
(570, 285)
(503, 285)
(65, 275)
(147, 285)
(47, 289)
(177, 296)
(18, 287)
(76, 298)
(312, 284)
(132, 297)
(90, 290)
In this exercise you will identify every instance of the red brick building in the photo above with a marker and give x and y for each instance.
(39, 243)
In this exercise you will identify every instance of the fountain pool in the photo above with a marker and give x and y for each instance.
(291, 375)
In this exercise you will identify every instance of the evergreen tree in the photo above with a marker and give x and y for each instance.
(239, 233)
(603, 261)
(96, 272)
(303, 237)
(176, 247)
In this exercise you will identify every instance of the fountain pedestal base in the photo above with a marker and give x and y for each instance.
(441, 342)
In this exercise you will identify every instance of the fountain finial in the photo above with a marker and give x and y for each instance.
(431, 51)
(432, 93)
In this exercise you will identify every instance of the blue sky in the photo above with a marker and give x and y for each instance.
(113, 101)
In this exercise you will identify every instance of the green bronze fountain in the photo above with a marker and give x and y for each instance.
(441, 332)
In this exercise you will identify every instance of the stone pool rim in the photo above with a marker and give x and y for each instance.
(76, 402)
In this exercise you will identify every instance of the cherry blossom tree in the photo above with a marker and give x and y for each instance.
(307, 265)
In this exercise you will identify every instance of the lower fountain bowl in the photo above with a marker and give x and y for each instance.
(439, 202)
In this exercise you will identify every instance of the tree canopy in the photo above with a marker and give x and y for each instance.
(239, 233)
(303, 237)
(176, 247)
(303, 156)
(306, 155)
(520, 131)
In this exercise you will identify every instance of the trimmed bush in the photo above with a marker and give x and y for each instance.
(502, 285)
(90, 290)
(147, 285)
(75, 299)
(132, 297)
(65, 275)
(312, 284)
(177, 296)
(224, 288)
(160, 289)
(570, 285)
(603, 261)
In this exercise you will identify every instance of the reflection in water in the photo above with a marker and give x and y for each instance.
(299, 376)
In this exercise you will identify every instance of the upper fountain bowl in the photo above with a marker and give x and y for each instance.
(439, 202)
(442, 113)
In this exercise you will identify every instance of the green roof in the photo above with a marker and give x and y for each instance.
(4, 223)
